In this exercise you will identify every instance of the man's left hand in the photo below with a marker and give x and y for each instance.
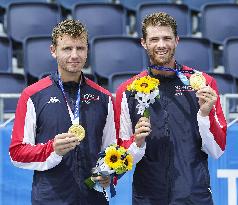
(207, 97)
(104, 181)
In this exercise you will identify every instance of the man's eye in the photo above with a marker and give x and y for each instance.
(81, 48)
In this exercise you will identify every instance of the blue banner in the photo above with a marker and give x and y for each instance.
(15, 183)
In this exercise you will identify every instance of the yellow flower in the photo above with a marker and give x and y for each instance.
(144, 84)
(128, 162)
(121, 150)
(155, 81)
(112, 158)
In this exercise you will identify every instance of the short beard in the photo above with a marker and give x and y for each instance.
(163, 62)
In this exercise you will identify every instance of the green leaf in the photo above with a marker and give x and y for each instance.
(89, 183)
(146, 113)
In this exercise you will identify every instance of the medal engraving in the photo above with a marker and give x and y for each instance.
(78, 131)
(197, 81)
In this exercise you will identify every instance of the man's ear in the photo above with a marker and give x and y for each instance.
(53, 51)
(177, 40)
(142, 41)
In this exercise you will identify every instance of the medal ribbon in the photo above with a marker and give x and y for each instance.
(179, 73)
(74, 116)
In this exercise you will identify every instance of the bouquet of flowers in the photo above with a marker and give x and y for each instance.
(113, 161)
(146, 90)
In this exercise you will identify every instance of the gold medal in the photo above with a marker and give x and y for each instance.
(78, 131)
(197, 81)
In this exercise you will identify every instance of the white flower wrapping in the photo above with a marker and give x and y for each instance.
(145, 100)
(104, 170)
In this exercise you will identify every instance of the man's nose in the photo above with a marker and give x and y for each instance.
(74, 53)
(160, 43)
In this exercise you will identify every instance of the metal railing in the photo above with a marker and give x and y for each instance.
(226, 101)
(6, 96)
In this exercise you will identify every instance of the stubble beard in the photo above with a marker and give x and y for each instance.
(70, 69)
(162, 61)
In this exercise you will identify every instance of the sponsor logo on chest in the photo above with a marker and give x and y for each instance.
(180, 89)
(88, 98)
(53, 100)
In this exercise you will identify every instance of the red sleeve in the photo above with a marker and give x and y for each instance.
(23, 150)
(119, 115)
(218, 125)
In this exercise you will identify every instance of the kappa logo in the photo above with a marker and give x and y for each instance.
(54, 100)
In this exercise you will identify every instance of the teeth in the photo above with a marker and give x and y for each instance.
(161, 52)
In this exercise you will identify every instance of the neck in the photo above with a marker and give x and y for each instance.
(68, 76)
(164, 72)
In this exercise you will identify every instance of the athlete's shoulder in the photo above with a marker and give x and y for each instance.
(97, 87)
(38, 86)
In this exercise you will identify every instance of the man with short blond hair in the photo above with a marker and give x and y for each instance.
(62, 122)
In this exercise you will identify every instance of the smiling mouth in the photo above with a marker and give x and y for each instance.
(73, 62)
(161, 52)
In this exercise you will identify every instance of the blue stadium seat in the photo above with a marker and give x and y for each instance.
(132, 4)
(69, 4)
(219, 21)
(31, 19)
(196, 5)
(195, 53)
(225, 82)
(11, 83)
(6, 54)
(117, 78)
(6, 3)
(37, 57)
(116, 54)
(101, 18)
(230, 56)
(180, 12)
(2, 11)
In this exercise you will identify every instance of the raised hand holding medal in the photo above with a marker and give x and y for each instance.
(206, 95)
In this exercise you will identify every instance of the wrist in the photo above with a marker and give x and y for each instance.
(139, 144)
(204, 114)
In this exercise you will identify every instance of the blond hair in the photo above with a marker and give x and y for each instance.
(73, 28)
(158, 19)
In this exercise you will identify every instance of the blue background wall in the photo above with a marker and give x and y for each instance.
(15, 183)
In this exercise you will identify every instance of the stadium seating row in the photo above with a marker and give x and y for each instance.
(118, 54)
(24, 20)
(129, 4)
(29, 19)
(113, 54)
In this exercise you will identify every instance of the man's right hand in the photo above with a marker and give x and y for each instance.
(103, 181)
(65, 142)
(142, 130)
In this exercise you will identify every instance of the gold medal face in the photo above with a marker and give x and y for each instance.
(78, 131)
(197, 81)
